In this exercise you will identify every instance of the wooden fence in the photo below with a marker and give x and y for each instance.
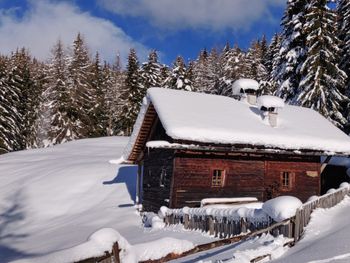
(225, 227)
(109, 257)
(235, 230)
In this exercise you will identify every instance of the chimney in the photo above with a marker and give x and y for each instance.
(251, 98)
(245, 89)
(273, 119)
(269, 106)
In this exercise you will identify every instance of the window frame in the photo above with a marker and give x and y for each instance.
(218, 182)
(290, 180)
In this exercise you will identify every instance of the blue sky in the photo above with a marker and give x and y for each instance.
(172, 27)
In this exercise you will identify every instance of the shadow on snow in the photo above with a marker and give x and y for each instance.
(128, 176)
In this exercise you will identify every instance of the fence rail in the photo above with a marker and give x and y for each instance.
(225, 227)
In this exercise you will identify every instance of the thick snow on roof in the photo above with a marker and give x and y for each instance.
(269, 101)
(216, 119)
(244, 84)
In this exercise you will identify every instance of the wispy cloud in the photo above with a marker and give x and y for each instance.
(44, 22)
(204, 14)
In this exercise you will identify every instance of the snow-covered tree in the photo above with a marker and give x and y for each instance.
(322, 83)
(115, 84)
(254, 62)
(292, 50)
(206, 72)
(271, 61)
(151, 71)
(58, 97)
(178, 78)
(133, 93)
(231, 69)
(343, 10)
(80, 90)
(98, 114)
(9, 119)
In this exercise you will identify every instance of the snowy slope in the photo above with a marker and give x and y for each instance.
(327, 237)
(53, 199)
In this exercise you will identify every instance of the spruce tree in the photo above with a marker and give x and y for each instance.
(322, 84)
(58, 97)
(179, 77)
(231, 69)
(115, 96)
(292, 51)
(133, 94)
(151, 74)
(22, 82)
(343, 10)
(80, 90)
(98, 114)
(9, 119)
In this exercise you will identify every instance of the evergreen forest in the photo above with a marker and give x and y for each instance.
(74, 95)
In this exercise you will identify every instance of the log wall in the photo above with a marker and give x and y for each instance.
(258, 177)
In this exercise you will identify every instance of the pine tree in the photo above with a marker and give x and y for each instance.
(115, 96)
(98, 114)
(271, 60)
(231, 69)
(151, 72)
(80, 90)
(40, 129)
(179, 77)
(26, 115)
(133, 94)
(322, 84)
(58, 97)
(292, 51)
(254, 66)
(9, 119)
(206, 72)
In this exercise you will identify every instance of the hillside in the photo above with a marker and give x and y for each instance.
(54, 198)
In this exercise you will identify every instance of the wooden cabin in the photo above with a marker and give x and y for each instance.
(190, 146)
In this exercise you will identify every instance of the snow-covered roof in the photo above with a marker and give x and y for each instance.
(269, 101)
(244, 84)
(204, 118)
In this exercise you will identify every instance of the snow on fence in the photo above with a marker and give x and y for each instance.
(303, 214)
(225, 225)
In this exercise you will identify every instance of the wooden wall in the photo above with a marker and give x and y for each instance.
(255, 177)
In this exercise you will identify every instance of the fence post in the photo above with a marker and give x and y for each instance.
(243, 225)
(115, 252)
(211, 225)
(297, 226)
(186, 221)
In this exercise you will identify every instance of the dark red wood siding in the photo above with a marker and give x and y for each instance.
(259, 178)
(304, 185)
(192, 179)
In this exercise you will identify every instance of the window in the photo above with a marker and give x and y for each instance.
(287, 180)
(162, 177)
(218, 178)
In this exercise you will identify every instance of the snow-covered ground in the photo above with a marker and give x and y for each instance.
(327, 237)
(59, 204)
(54, 199)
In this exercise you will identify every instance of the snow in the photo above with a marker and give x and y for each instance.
(244, 84)
(242, 252)
(223, 120)
(159, 248)
(53, 200)
(282, 207)
(208, 201)
(96, 245)
(269, 101)
(326, 237)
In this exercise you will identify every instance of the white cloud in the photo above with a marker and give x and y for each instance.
(207, 14)
(45, 22)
